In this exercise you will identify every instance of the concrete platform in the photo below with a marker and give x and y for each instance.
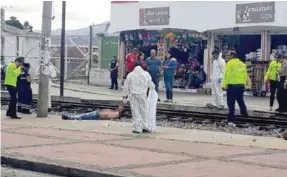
(105, 148)
(183, 101)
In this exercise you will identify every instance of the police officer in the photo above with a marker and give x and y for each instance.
(272, 76)
(13, 70)
(234, 80)
(114, 73)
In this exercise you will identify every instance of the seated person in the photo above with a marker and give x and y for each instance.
(191, 77)
(180, 73)
(105, 114)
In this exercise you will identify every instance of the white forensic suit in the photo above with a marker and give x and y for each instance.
(152, 104)
(135, 87)
(216, 78)
(52, 74)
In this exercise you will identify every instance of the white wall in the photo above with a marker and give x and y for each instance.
(9, 47)
(34, 56)
(100, 77)
(25, 44)
(193, 15)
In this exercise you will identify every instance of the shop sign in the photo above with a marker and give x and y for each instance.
(259, 12)
(154, 16)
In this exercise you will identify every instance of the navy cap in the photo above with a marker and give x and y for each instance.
(19, 59)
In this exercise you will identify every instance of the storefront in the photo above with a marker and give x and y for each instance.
(163, 25)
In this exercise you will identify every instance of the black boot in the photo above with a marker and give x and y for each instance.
(19, 109)
(15, 117)
(8, 114)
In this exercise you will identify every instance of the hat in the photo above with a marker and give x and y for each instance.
(19, 59)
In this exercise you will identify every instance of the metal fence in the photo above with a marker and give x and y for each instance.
(76, 55)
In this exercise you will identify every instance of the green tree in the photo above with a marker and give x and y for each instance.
(27, 26)
(14, 22)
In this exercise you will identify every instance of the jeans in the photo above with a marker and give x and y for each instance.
(86, 116)
(168, 81)
(235, 93)
(13, 100)
(155, 80)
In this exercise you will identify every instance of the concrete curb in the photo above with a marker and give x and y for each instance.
(52, 169)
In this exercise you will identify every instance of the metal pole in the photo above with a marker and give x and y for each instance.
(44, 81)
(63, 35)
(66, 57)
(90, 52)
(2, 12)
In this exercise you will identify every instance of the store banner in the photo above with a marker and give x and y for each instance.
(259, 12)
(154, 16)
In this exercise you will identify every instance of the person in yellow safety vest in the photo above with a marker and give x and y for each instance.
(13, 70)
(234, 80)
(273, 77)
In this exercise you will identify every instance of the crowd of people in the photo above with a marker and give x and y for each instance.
(141, 85)
(228, 73)
(16, 78)
(175, 74)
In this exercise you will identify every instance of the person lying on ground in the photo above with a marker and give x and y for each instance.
(105, 114)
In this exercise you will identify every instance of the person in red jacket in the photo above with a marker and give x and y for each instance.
(130, 61)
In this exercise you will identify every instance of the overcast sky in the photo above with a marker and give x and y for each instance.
(79, 13)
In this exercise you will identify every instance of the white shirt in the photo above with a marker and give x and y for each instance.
(138, 82)
(218, 66)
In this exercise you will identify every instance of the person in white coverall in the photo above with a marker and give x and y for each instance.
(216, 78)
(52, 74)
(135, 89)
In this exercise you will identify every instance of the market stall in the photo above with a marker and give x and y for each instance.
(185, 45)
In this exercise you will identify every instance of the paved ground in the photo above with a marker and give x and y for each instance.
(102, 93)
(12, 172)
(111, 147)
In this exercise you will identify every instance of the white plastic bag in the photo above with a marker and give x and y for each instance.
(152, 104)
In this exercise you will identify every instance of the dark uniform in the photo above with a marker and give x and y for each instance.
(24, 91)
(234, 80)
(11, 76)
(114, 74)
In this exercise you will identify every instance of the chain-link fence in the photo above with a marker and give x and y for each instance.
(76, 55)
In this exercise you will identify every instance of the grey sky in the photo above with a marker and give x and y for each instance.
(80, 13)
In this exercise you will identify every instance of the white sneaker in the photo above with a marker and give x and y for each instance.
(231, 124)
(271, 109)
(221, 107)
(137, 131)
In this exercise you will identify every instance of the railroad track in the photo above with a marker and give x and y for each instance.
(170, 115)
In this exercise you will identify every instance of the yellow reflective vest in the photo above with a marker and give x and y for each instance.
(235, 73)
(272, 72)
(11, 74)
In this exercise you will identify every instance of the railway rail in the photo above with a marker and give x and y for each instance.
(171, 115)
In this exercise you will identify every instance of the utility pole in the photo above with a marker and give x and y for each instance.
(44, 78)
(2, 18)
(63, 38)
(90, 52)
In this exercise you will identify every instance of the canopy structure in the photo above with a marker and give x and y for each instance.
(248, 30)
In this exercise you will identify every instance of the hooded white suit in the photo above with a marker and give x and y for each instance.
(218, 67)
(135, 87)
